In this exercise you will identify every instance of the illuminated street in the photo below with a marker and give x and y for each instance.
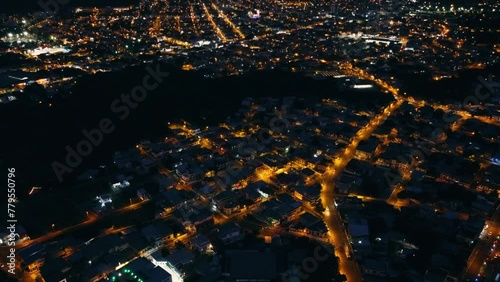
(481, 251)
(57, 233)
(332, 218)
(209, 140)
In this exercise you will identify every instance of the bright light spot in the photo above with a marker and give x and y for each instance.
(327, 211)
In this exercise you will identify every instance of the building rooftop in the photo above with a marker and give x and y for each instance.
(180, 257)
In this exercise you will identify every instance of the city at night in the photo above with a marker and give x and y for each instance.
(250, 140)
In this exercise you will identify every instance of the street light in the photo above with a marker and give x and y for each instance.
(53, 226)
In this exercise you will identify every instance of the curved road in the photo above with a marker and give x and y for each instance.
(337, 232)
